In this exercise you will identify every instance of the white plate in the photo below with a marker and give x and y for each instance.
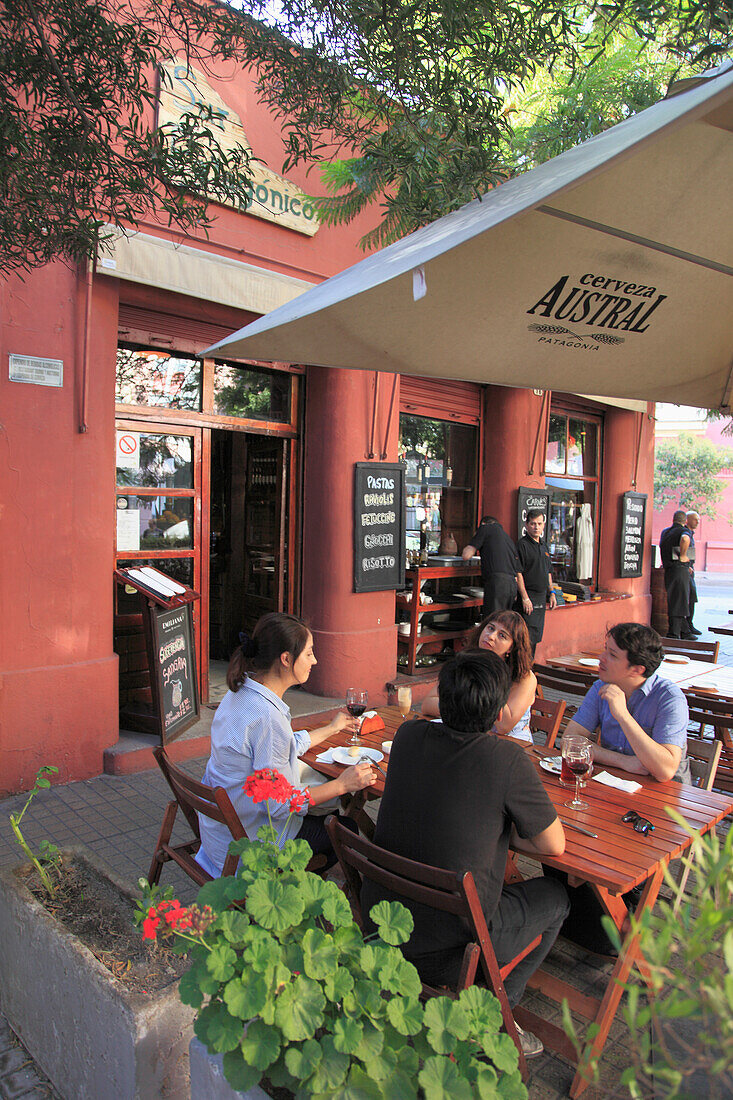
(590, 662)
(675, 659)
(343, 756)
(551, 764)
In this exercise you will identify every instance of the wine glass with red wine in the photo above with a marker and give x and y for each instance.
(577, 763)
(356, 704)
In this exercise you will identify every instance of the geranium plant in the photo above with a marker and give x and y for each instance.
(288, 988)
(48, 861)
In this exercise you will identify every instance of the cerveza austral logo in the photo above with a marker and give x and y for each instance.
(593, 302)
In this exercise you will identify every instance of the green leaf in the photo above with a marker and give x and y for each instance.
(347, 1034)
(234, 925)
(216, 1029)
(441, 1080)
(338, 984)
(220, 892)
(487, 1083)
(263, 950)
(400, 1086)
(221, 961)
(303, 1060)
(394, 921)
(274, 906)
(397, 975)
(189, 989)
(501, 1050)
(359, 1086)
(238, 1073)
(331, 1070)
(320, 957)
(245, 996)
(336, 908)
(446, 1021)
(299, 1009)
(366, 1000)
(260, 1045)
(482, 1009)
(511, 1086)
(371, 1042)
(405, 1014)
(295, 855)
(349, 940)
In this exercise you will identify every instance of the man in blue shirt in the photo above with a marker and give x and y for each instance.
(638, 718)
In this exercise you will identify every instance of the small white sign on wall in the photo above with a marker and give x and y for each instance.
(128, 450)
(37, 371)
(128, 530)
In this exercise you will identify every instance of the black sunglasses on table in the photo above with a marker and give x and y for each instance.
(641, 824)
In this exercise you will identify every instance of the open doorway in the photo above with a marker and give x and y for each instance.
(248, 528)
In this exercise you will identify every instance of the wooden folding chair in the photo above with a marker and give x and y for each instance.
(570, 686)
(716, 714)
(704, 757)
(192, 797)
(545, 716)
(448, 891)
(696, 651)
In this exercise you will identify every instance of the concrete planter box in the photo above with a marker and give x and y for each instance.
(92, 1038)
(208, 1080)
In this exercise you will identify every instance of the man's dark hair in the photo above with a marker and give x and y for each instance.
(680, 516)
(488, 519)
(472, 689)
(533, 513)
(642, 645)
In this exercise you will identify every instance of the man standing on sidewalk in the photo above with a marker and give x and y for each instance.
(693, 519)
(673, 546)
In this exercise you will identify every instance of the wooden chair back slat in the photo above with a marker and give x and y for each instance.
(697, 651)
(704, 757)
(546, 717)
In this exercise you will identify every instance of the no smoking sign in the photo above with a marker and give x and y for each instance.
(128, 450)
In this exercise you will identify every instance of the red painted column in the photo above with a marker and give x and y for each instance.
(354, 633)
(58, 672)
(511, 421)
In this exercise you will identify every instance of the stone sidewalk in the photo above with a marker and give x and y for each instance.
(118, 817)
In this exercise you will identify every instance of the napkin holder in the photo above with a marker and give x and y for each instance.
(371, 723)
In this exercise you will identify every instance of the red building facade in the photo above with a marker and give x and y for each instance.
(236, 477)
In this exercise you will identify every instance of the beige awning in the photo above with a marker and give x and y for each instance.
(608, 269)
(153, 261)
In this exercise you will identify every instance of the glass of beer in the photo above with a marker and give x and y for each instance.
(404, 700)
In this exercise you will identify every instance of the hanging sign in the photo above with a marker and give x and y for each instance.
(633, 518)
(379, 526)
(528, 499)
(174, 669)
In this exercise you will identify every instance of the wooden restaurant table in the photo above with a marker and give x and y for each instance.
(614, 863)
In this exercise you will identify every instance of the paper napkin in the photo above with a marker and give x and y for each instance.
(627, 785)
(325, 757)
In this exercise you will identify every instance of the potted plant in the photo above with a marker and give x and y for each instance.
(97, 1028)
(287, 988)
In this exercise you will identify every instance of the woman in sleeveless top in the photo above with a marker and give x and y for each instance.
(504, 633)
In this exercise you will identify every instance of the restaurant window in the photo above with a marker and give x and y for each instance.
(251, 393)
(572, 472)
(157, 379)
(440, 459)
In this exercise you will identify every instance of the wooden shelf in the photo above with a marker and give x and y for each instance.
(459, 572)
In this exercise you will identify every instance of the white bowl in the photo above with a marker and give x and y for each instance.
(386, 747)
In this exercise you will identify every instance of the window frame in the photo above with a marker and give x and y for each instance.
(569, 410)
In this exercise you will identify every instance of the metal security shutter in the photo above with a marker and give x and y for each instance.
(140, 325)
(442, 398)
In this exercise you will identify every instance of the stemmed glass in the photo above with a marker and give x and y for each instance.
(577, 763)
(356, 704)
(404, 700)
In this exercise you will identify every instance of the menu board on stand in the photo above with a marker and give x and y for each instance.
(167, 619)
(528, 499)
(633, 519)
(379, 526)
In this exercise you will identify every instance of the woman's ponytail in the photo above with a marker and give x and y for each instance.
(274, 634)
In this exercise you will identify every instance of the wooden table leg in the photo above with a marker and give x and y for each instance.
(353, 806)
(630, 952)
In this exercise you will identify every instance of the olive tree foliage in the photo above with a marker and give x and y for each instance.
(686, 473)
(404, 101)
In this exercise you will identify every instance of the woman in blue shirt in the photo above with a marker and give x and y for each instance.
(252, 730)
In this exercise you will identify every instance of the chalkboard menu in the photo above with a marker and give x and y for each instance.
(173, 669)
(379, 526)
(527, 499)
(633, 517)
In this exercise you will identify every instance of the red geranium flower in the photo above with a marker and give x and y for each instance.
(267, 783)
(299, 799)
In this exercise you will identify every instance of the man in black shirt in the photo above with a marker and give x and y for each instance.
(455, 797)
(674, 543)
(499, 564)
(693, 518)
(534, 579)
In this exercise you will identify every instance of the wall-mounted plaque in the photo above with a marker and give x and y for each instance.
(633, 518)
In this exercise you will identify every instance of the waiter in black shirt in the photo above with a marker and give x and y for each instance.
(674, 543)
(499, 564)
(534, 579)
